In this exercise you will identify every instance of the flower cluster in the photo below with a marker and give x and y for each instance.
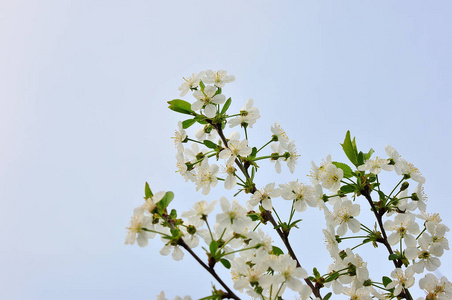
(239, 236)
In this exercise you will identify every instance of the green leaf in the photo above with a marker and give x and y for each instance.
(226, 106)
(253, 152)
(213, 247)
(277, 251)
(201, 84)
(173, 214)
(393, 256)
(166, 200)
(200, 119)
(327, 296)
(348, 172)
(348, 188)
(254, 216)
(147, 191)
(187, 123)
(181, 106)
(332, 276)
(225, 263)
(360, 158)
(210, 144)
(368, 154)
(350, 149)
(316, 273)
(386, 281)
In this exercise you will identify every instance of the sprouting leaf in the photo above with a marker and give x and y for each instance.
(213, 247)
(225, 263)
(386, 281)
(166, 200)
(348, 188)
(226, 106)
(210, 144)
(187, 123)
(350, 149)
(327, 296)
(277, 251)
(181, 106)
(147, 191)
(393, 256)
(368, 154)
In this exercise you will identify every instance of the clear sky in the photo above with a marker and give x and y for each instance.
(84, 120)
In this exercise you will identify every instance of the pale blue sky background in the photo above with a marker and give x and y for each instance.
(84, 123)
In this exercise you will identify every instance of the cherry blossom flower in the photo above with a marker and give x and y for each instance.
(277, 149)
(235, 148)
(191, 82)
(344, 215)
(402, 167)
(219, 78)
(199, 213)
(264, 196)
(136, 232)
(233, 216)
(302, 194)
(280, 134)
(357, 293)
(179, 137)
(440, 289)
(230, 180)
(206, 177)
(248, 115)
(293, 156)
(404, 226)
(288, 272)
(392, 153)
(207, 99)
(401, 279)
(376, 165)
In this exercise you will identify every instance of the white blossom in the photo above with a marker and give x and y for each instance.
(401, 279)
(376, 165)
(207, 99)
(219, 78)
(248, 115)
(206, 177)
(264, 196)
(191, 82)
(404, 226)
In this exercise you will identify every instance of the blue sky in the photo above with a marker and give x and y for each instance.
(84, 119)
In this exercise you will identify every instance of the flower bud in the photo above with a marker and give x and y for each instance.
(404, 186)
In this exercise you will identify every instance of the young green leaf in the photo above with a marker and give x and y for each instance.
(181, 106)
(225, 263)
(277, 251)
(386, 281)
(213, 247)
(368, 154)
(226, 106)
(210, 144)
(327, 296)
(202, 85)
(348, 188)
(393, 256)
(316, 273)
(187, 123)
(147, 191)
(350, 149)
(166, 200)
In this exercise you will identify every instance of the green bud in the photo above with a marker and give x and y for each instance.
(404, 186)
(191, 229)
